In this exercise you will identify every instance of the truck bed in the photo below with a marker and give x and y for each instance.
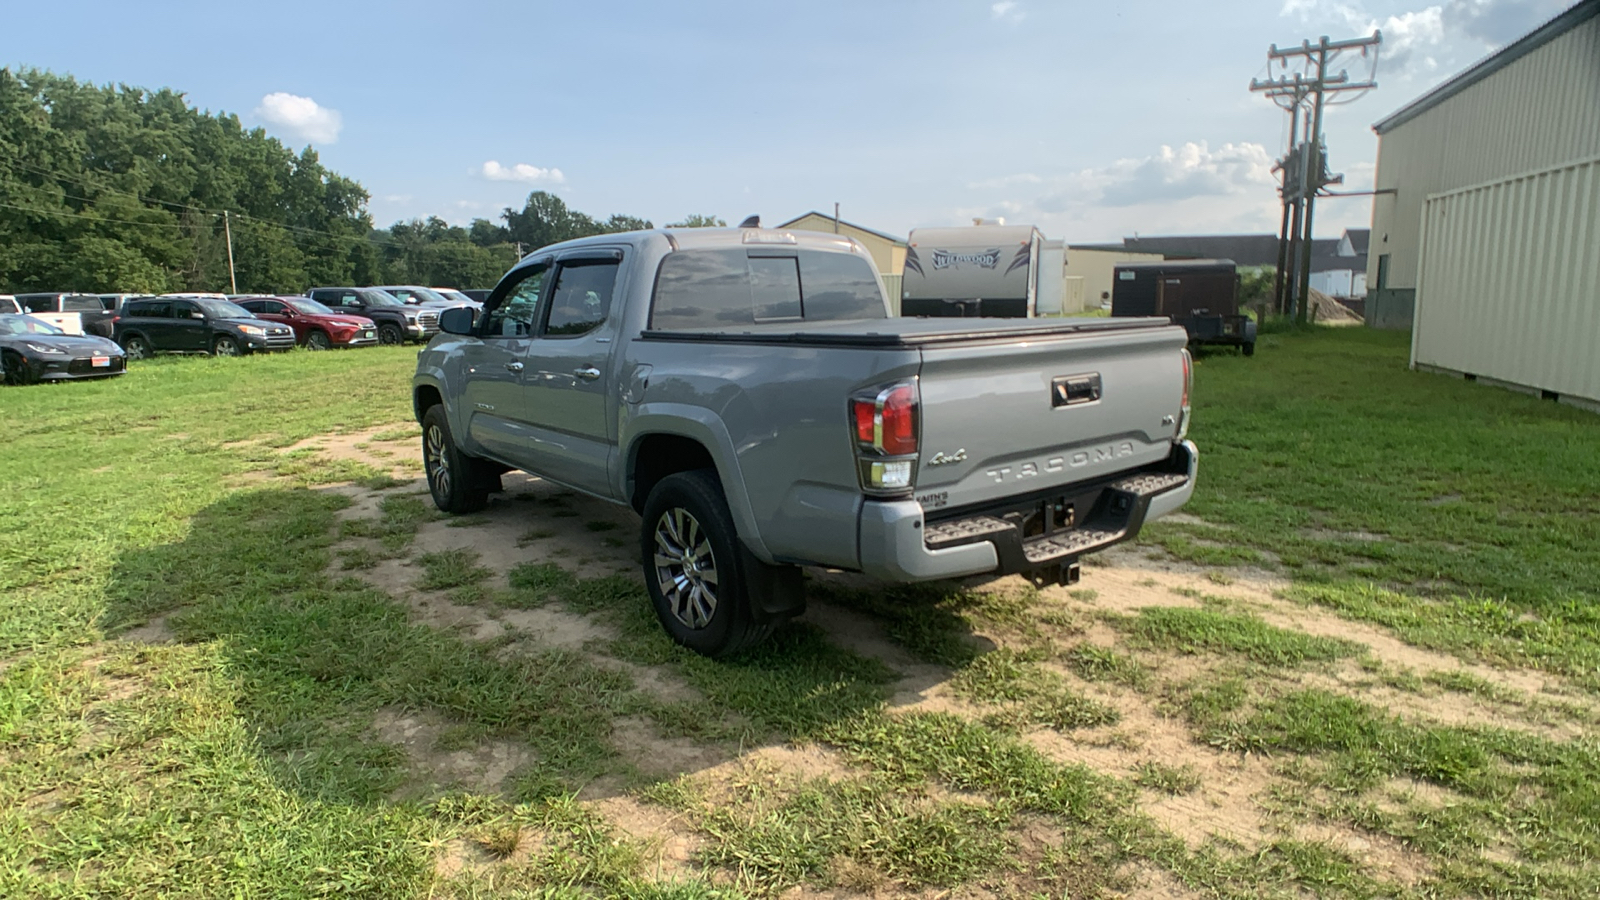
(906, 332)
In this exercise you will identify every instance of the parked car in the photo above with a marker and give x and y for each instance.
(747, 393)
(457, 297)
(316, 327)
(416, 295)
(396, 322)
(113, 302)
(33, 350)
(184, 325)
(72, 313)
(9, 304)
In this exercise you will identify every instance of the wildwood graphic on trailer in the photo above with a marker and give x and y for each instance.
(985, 270)
(944, 259)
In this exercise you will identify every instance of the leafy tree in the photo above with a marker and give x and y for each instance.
(121, 188)
(696, 220)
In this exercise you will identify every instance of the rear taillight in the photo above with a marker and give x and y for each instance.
(1188, 382)
(886, 425)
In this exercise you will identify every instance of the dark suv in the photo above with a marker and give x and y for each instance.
(396, 321)
(196, 325)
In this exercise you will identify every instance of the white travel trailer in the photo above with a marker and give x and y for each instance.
(999, 270)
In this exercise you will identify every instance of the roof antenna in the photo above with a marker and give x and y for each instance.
(751, 222)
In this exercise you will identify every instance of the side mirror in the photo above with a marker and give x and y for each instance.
(456, 320)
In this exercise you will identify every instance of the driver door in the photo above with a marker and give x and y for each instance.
(493, 370)
(569, 372)
(188, 330)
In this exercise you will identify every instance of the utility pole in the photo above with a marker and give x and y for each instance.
(1315, 82)
(227, 229)
(1291, 207)
(835, 218)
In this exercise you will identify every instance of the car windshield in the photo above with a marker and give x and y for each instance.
(379, 298)
(222, 309)
(310, 307)
(13, 324)
(454, 296)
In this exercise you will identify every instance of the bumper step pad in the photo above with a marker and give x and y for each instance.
(1115, 513)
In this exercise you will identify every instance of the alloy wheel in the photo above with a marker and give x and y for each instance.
(225, 346)
(686, 569)
(137, 348)
(437, 462)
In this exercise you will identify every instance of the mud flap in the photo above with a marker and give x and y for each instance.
(776, 592)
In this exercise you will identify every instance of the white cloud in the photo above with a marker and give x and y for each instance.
(301, 116)
(1006, 11)
(522, 172)
(1171, 175)
(1191, 187)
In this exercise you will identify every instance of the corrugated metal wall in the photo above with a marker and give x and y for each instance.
(1509, 281)
(1541, 110)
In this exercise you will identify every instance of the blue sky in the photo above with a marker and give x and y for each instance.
(1092, 120)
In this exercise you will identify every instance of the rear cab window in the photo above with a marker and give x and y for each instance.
(725, 287)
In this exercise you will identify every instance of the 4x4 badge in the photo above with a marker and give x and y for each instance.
(941, 459)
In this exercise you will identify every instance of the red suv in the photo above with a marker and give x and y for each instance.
(316, 327)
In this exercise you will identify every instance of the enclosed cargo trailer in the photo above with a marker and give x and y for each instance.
(1202, 295)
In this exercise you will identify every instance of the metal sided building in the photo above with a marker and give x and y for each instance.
(1486, 228)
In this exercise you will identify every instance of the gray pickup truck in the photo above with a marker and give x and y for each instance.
(746, 392)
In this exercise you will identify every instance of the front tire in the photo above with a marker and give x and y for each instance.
(389, 334)
(319, 340)
(18, 372)
(1248, 349)
(224, 345)
(454, 478)
(693, 566)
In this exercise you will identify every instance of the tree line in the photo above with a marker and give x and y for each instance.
(118, 188)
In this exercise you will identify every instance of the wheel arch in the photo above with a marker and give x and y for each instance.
(665, 442)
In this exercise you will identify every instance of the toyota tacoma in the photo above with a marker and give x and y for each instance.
(746, 392)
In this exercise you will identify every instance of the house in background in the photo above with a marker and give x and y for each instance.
(888, 252)
(1484, 230)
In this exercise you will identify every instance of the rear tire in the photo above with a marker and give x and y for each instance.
(693, 566)
(1248, 349)
(137, 347)
(319, 340)
(389, 334)
(455, 479)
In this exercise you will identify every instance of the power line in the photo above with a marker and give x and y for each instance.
(67, 215)
(1304, 169)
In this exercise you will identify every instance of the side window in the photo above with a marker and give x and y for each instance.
(81, 304)
(185, 309)
(518, 310)
(272, 308)
(39, 304)
(349, 300)
(702, 289)
(775, 287)
(581, 299)
(156, 309)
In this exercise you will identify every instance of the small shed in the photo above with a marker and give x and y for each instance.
(1202, 295)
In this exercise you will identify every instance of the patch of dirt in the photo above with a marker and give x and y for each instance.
(637, 739)
(1223, 806)
(670, 840)
(1391, 860)
(482, 768)
(919, 684)
(1123, 586)
(401, 458)
(155, 631)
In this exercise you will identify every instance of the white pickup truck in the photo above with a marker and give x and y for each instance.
(72, 313)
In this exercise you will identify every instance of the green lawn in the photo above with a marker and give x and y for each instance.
(241, 758)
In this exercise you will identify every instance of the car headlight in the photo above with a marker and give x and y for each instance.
(42, 348)
(256, 330)
(411, 319)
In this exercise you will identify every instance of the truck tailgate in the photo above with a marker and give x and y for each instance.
(1008, 417)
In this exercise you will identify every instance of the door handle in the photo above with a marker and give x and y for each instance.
(514, 366)
(588, 373)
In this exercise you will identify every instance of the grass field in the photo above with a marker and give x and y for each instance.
(240, 654)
